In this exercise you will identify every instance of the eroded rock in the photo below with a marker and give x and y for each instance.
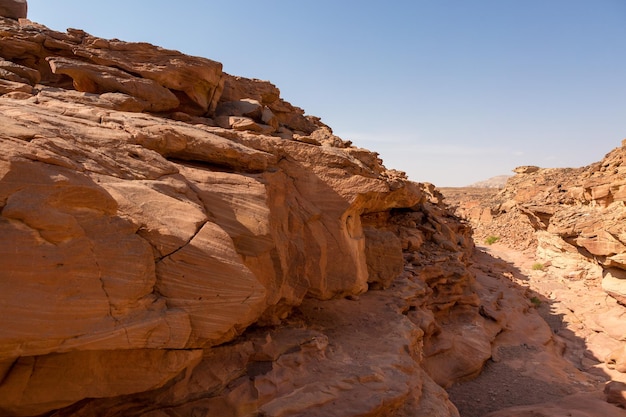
(190, 265)
(572, 217)
(13, 9)
(100, 79)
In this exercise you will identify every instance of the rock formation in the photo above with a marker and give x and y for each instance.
(573, 218)
(180, 241)
(572, 222)
(170, 234)
(13, 9)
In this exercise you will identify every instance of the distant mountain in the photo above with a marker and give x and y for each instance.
(493, 182)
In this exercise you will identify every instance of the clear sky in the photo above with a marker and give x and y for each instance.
(449, 91)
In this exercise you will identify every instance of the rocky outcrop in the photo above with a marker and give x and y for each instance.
(576, 216)
(180, 239)
(574, 222)
(13, 9)
(151, 78)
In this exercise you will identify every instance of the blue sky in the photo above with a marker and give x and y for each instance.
(449, 91)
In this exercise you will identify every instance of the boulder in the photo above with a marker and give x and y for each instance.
(245, 107)
(13, 9)
(246, 114)
(242, 124)
(266, 93)
(615, 392)
(614, 283)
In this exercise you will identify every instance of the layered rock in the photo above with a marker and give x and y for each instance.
(178, 238)
(574, 221)
(572, 217)
(179, 241)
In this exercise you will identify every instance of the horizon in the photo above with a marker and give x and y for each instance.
(451, 93)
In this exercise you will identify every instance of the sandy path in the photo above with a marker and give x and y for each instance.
(526, 371)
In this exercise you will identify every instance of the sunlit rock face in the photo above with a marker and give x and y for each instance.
(180, 240)
(574, 218)
(573, 222)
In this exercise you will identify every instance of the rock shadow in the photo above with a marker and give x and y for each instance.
(536, 358)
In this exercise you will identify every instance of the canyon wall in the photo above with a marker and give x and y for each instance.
(572, 221)
(571, 218)
(180, 241)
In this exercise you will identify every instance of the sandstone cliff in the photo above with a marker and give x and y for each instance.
(170, 232)
(179, 241)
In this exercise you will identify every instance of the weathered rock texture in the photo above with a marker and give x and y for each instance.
(13, 9)
(179, 241)
(574, 218)
(171, 233)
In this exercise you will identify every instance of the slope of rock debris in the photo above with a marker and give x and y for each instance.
(183, 242)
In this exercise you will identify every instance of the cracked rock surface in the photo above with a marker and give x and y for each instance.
(146, 244)
(178, 241)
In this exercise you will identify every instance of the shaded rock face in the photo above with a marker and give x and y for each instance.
(13, 9)
(176, 238)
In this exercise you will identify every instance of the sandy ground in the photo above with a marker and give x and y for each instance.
(575, 311)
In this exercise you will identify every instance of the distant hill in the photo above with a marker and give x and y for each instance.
(493, 182)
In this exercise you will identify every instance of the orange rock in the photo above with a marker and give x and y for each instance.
(574, 217)
(587, 405)
(99, 79)
(174, 263)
